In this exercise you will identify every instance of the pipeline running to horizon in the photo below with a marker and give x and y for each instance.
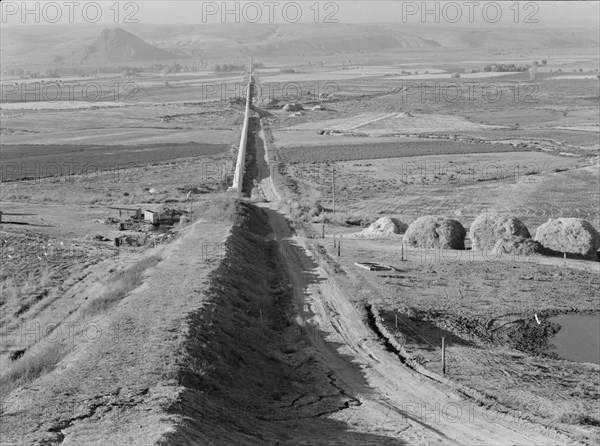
(238, 177)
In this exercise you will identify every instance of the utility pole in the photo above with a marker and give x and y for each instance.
(333, 187)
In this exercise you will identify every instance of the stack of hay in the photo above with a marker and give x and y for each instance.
(487, 229)
(520, 246)
(573, 236)
(435, 232)
(293, 107)
(384, 227)
(502, 233)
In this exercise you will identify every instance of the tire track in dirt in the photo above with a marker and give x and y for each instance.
(352, 350)
(249, 372)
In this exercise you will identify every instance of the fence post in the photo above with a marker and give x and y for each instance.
(443, 356)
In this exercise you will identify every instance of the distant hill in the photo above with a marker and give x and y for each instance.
(118, 45)
(142, 42)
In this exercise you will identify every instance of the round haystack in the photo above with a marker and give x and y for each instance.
(384, 227)
(490, 227)
(520, 246)
(435, 232)
(292, 107)
(573, 236)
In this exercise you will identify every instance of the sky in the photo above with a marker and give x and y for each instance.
(169, 12)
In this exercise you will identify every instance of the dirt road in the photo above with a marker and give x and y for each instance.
(402, 404)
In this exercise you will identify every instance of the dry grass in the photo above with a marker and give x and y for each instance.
(120, 284)
(219, 208)
(21, 291)
(578, 418)
(32, 366)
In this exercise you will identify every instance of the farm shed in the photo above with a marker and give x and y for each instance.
(134, 210)
(151, 216)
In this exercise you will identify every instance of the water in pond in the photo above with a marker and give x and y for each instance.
(579, 337)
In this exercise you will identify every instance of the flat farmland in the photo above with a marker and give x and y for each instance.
(145, 87)
(40, 161)
(539, 117)
(560, 138)
(460, 168)
(377, 124)
(130, 124)
(373, 150)
(469, 96)
(534, 199)
(122, 136)
(532, 185)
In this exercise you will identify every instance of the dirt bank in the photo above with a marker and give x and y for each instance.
(117, 375)
(249, 373)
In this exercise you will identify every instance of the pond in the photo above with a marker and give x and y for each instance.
(579, 337)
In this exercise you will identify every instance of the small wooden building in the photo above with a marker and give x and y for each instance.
(151, 217)
(135, 211)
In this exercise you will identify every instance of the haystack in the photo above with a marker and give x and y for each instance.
(384, 227)
(435, 232)
(490, 227)
(573, 236)
(292, 107)
(516, 245)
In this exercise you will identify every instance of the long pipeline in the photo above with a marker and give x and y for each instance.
(238, 177)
